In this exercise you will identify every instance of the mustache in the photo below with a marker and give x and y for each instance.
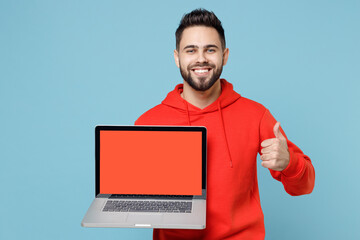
(201, 65)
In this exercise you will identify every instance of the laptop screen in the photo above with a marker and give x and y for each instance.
(143, 160)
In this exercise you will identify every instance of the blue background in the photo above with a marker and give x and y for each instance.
(66, 66)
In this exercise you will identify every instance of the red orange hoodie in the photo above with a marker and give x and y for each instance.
(236, 127)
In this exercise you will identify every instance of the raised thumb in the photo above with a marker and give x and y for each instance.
(277, 132)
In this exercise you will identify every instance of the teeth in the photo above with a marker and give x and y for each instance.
(201, 70)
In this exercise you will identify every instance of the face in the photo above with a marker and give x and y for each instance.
(200, 57)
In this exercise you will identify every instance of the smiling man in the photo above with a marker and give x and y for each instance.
(200, 55)
(238, 129)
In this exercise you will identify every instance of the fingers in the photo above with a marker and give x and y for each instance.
(269, 156)
(269, 142)
(267, 164)
(271, 148)
(273, 161)
(272, 164)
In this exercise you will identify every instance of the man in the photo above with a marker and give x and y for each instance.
(238, 129)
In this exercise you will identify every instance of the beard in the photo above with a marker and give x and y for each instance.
(203, 83)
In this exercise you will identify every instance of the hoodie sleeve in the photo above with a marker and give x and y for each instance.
(298, 177)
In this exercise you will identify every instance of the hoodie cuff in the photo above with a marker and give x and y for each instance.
(293, 168)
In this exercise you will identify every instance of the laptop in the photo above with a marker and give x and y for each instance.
(149, 177)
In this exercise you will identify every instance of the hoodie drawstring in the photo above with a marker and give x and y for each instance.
(188, 114)
(222, 125)
(223, 128)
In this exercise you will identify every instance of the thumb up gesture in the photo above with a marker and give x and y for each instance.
(275, 153)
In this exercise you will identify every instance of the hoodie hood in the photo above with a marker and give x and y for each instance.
(226, 98)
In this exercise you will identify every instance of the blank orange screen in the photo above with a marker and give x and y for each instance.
(150, 162)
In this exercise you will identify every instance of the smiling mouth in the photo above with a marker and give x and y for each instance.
(201, 71)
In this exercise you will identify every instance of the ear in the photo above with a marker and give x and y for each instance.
(225, 56)
(176, 57)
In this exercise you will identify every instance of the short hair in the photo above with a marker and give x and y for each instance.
(200, 17)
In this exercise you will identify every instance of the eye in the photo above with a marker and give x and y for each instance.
(190, 51)
(211, 50)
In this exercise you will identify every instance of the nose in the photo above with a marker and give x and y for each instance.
(201, 57)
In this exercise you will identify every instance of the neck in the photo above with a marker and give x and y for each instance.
(201, 99)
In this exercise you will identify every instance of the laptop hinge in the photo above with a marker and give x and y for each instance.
(141, 196)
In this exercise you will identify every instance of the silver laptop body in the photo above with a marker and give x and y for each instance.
(149, 177)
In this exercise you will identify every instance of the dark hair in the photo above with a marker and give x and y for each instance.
(200, 17)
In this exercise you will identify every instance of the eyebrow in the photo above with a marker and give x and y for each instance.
(206, 46)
